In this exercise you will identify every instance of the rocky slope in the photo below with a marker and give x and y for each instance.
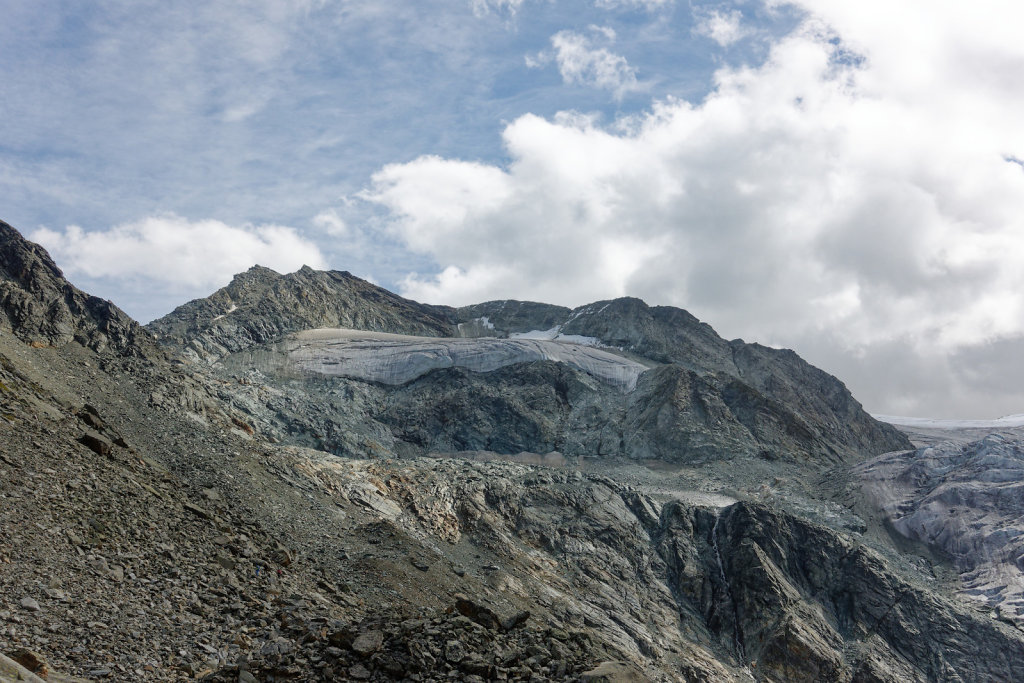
(965, 498)
(151, 529)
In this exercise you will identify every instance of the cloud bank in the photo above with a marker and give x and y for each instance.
(854, 197)
(173, 253)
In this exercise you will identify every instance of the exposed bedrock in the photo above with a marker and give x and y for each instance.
(668, 581)
(967, 500)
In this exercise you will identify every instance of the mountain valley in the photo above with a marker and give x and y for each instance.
(306, 477)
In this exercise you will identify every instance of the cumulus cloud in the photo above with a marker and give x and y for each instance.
(171, 250)
(851, 197)
(722, 27)
(581, 62)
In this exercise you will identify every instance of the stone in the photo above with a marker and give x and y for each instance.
(613, 672)
(481, 614)
(96, 443)
(32, 661)
(367, 643)
(30, 604)
(454, 651)
(358, 672)
(516, 620)
(196, 510)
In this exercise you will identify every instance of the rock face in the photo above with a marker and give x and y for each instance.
(752, 378)
(967, 500)
(155, 527)
(41, 307)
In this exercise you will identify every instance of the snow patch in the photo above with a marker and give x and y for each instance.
(549, 335)
(477, 324)
(934, 423)
(579, 339)
(230, 310)
(555, 334)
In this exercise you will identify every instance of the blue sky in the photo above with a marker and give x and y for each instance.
(833, 177)
(272, 112)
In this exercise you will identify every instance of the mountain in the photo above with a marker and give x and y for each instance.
(164, 517)
(699, 397)
(42, 308)
(260, 305)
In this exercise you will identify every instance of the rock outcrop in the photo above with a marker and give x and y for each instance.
(967, 501)
(41, 307)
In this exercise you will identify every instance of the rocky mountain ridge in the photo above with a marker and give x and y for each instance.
(42, 308)
(152, 527)
(705, 397)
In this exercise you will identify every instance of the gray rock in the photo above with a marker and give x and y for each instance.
(367, 643)
(358, 672)
(42, 308)
(96, 443)
(29, 604)
(964, 499)
(613, 672)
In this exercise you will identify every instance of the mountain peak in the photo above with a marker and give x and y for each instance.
(43, 308)
(261, 305)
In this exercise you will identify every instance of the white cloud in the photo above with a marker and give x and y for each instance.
(633, 4)
(581, 62)
(172, 250)
(331, 223)
(722, 27)
(484, 7)
(850, 197)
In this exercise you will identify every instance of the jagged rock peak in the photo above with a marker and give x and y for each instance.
(44, 309)
(261, 305)
(773, 393)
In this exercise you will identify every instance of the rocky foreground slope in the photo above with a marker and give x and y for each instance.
(155, 526)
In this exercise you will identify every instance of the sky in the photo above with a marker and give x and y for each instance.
(843, 179)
